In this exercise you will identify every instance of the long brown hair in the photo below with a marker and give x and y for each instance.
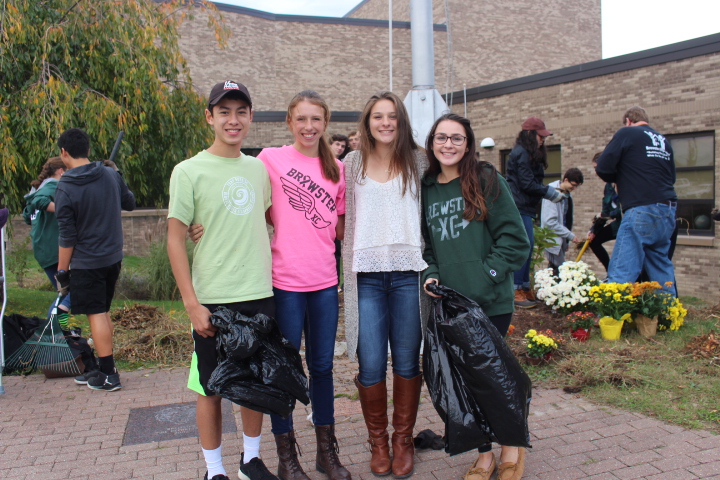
(330, 169)
(48, 170)
(478, 179)
(403, 146)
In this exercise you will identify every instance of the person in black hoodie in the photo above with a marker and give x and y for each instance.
(88, 201)
(474, 241)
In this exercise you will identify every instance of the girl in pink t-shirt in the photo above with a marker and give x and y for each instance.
(308, 211)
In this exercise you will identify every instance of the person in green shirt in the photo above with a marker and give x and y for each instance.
(39, 213)
(227, 192)
(474, 241)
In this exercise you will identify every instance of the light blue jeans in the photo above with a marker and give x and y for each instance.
(389, 308)
(643, 240)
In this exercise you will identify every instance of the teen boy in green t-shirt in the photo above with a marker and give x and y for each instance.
(228, 193)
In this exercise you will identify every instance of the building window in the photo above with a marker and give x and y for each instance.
(695, 184)
(552, 173)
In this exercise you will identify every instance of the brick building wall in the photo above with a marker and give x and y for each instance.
(276, 56)
(680, 97)
(494, 41)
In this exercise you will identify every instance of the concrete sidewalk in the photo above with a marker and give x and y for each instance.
(54, 429)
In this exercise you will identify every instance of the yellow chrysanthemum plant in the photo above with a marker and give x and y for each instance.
(613, 300)
(674, 317)
(540, 344)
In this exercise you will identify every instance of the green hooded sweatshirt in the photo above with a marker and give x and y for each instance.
(44, 225)
(475, 258)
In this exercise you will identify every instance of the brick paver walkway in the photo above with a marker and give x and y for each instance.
(54, 429)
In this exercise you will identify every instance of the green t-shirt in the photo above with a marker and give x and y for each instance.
(228, 196)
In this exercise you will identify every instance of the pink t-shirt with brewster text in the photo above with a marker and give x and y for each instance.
(305, 209)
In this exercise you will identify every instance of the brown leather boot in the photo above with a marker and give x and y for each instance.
(288, 465)
(406, 396)
(327, 461)
(373, 400)
(521, 300)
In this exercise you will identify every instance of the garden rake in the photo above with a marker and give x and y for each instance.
(47, 349)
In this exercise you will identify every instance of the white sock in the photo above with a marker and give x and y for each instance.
(213, 460)
(251, 447)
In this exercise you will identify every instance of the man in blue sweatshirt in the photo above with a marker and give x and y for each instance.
(639, 160)
(88, 201)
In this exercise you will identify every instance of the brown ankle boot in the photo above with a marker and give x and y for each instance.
(406, 396)
(327, 461)
(373, 401)
(288, 465)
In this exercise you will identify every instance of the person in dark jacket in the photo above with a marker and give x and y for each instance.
(39, 213)
(525, 173)
(608, 222)
(474, 240)
(88, 201)
(640, 161)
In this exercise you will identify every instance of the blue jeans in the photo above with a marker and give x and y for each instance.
(389, 308)
(320, 331)
(643, 241)
(65, 301)
(522, 276)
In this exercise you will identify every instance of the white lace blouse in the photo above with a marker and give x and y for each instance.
(387, 227)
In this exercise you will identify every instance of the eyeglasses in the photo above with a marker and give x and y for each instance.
(441, 138)
(575, 185)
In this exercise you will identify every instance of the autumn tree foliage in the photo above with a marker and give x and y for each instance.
(104, 66)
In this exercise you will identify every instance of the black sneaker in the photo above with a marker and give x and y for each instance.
(83, 379)
(255, 469)
(216, 477)
(102, 381)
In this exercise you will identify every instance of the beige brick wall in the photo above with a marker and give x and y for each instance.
(140, 227)
(492, 41)
(680, 97)
(495, 41)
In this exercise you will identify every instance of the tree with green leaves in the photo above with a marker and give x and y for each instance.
(103, 66)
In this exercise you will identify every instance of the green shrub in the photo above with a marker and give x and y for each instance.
(19, 259)
(132, 285)
(162, 284)
(543, 239)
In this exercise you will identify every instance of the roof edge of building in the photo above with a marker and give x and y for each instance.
(275, 17)
(654, 56)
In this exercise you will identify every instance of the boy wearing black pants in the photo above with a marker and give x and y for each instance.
(88, 201)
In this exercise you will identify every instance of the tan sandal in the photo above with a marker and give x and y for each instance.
(513, 471)
(478, 473)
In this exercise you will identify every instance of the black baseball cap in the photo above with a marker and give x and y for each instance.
(221, 89)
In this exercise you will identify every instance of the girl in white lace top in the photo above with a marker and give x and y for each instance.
(382, 258)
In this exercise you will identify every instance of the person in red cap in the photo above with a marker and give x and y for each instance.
(525, 173)
(229, 193)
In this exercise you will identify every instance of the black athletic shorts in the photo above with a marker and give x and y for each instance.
(93, 289)
(204, 358)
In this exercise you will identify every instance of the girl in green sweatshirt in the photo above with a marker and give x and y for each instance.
(474, 241)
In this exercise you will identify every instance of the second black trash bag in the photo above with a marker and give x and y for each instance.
(476, 383)
(258, 368)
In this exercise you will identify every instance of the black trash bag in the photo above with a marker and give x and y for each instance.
(283, 368)
(238, 382)
(465, 427)
(17, 329)
(238, 335)
(487, 381)
(258, 368)
(80, 346)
